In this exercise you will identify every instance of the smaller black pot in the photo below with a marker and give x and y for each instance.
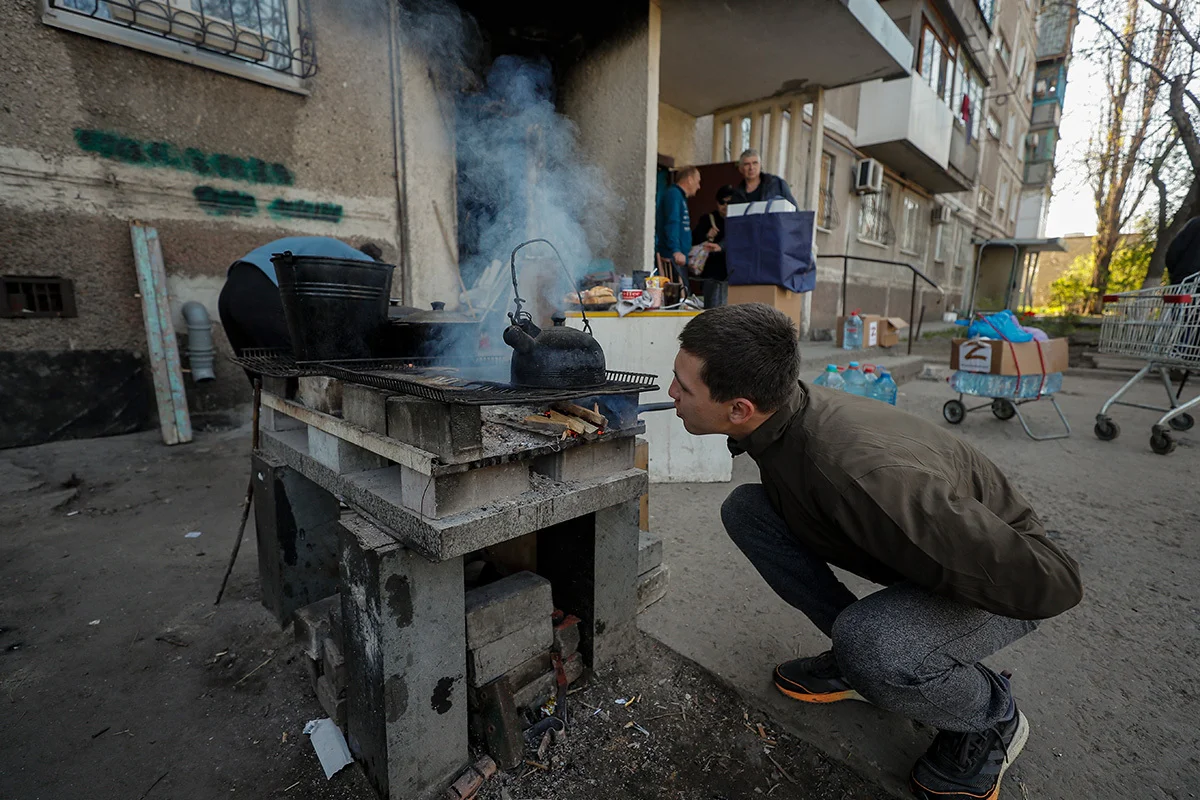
(433, 333)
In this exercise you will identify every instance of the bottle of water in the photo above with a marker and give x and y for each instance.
(855, 382)
(831, 378)
(1026, 387)
(885, 388)
(852, 332)
(869, 374)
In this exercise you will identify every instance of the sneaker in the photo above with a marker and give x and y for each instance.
(969, 766)
(814, 680)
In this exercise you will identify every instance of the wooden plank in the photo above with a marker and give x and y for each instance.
(641, 460)
(165, 366)
(378, 444)
(594, 417)
(574, 423)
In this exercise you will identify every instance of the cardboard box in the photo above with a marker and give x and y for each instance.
(877, 331)
(790, 303)
(996, 357)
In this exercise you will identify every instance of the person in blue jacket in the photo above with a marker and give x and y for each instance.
(250, 307)
(674, 225)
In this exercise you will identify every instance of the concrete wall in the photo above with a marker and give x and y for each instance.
(677, 137)
(612, 95)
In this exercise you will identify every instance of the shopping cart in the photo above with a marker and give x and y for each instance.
(1007, 393)
(1162, 326)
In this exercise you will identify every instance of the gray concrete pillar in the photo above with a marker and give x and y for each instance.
(405, 650)
(296, 524)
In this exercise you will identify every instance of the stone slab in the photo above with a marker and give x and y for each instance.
(447, 495)
(650, 552)
(313, 625)
(365, 406)
(505, 606)
(449, 431)
(652, 586)
(537, 691)
(492, 660)
(592, 461)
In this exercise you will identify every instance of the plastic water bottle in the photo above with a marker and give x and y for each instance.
(852, 332)
(831, 378)
(855, 382)
(884, 389)
(869, 374)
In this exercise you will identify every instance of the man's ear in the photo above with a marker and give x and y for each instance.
(741, 410)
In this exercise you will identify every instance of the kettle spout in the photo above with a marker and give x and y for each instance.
(516, 338)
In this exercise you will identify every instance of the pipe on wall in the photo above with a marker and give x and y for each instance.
(200, 341)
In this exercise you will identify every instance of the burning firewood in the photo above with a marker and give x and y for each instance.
(594, 417)
(569, 418)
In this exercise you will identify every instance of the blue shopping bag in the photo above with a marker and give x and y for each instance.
(772, 248)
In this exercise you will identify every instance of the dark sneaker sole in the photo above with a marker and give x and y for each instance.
(1014, 750)
(798, 692)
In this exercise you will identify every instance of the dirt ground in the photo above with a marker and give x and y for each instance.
(119, 678)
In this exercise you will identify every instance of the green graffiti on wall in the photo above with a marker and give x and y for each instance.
(225, 203)
(169, 156)
(302, 209)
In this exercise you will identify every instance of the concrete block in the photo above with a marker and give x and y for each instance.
(271, 420)
(365, 406)
(530, 669)
(313, 667)
(566, 636)
(280, 387)
(334, 664)
(506, 606)
(446, 495)
(320, 393)
(313, 625)
(451, 432)
(405, 649)
(652, 586)
(296, 526)
(650, 552)
(536, 692)
(332, 701)
(587, 461)
(339, 455)
(486, 663)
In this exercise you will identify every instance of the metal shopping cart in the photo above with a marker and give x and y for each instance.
(1162, 326)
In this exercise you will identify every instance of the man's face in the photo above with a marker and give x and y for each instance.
(750, 167)
(693, 404)
(691, 184)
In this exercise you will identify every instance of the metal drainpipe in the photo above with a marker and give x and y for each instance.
(200, 341)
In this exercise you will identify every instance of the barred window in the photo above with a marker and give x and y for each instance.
(274, 34)
(914, 227)
(874, 224)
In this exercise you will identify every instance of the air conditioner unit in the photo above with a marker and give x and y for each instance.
(942, 215)
(868, 176)
(1032, 140)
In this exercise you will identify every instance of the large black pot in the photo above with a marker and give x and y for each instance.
(335, 307)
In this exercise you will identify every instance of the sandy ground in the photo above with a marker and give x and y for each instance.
(1110, 688)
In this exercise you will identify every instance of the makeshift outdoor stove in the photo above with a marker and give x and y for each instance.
(450, 470)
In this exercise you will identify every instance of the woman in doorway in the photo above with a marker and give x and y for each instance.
(710, 232)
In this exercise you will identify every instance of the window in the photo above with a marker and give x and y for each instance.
(967, 86)
(1002, 196)
(1045, 83)
(745, 130)
(937, 63)
(988, 9)
(1011, 132)
(1021, 62)
(826, 202)
(24, 297)
(874, 225)
(266, 40)
(986, 201)
(912, 234)
(993, 126)
(939, 236)
(1004, 50)
(785, 131)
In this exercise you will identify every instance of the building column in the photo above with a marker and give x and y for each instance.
(773, 142)
(816, 146)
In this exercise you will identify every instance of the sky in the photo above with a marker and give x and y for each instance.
(1072, 209)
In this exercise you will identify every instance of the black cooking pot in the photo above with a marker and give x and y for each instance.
(429, 333)
(555, 358)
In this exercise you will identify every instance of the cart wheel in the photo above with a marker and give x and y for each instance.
(1003, 409)
(1107, 430)
(1183, 422)
(1161, 443)
(954, 411)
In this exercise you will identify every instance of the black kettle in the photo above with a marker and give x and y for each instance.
(555, 358)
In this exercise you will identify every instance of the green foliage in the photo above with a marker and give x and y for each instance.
(1072, 292)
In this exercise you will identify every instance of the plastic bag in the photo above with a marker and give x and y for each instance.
(1001, 325)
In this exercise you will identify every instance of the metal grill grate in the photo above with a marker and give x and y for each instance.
(440, 380)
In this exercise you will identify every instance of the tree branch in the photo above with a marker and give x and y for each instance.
(1173, 13)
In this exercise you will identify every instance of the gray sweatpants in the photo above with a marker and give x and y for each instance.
(903, 648)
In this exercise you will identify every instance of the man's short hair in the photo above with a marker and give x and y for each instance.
(749, 350)
(683, 173)
(747, 153)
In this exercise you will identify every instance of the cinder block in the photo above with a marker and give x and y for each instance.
(313, 625)
(446, 495)
(652, 586)
(566, 636)
(492, 660)
(277, 386)
(587, 461)
(650, 552)
(332, 701)
(453, 432)
(339, 455)
(530, 669)
(320, 393)
(545, 686)
(314, 670)
(334, 664)
(271, 420)
(365, 406)
(506, 606)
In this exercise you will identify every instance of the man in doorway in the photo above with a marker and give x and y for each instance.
(758, 185)
(250, 307)
(854, 483)
(674, 226)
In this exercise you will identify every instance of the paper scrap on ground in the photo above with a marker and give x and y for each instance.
(330, 745)
(191, 535)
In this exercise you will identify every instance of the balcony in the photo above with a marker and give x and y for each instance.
(1039, 173)
(904, 124)
(1045, 115)
(716, 54)
(964, 155)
